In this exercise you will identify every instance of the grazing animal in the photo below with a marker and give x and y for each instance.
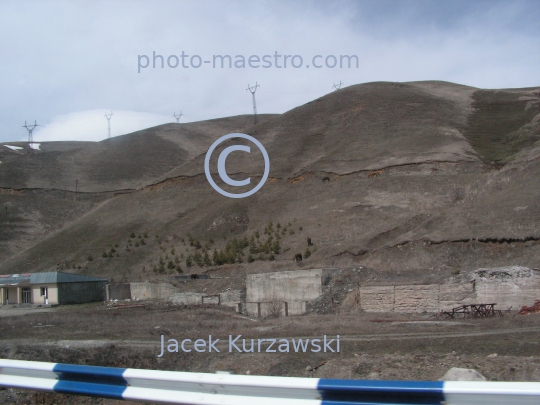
(375, 173)
(326, 179)
(298, 257)
(309, 243)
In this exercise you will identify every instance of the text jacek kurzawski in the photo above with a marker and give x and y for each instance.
(236, 344)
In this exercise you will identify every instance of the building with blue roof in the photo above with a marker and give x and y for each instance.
(50, 288)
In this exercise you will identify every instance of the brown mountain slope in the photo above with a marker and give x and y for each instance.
(123, 162)
(436, 205)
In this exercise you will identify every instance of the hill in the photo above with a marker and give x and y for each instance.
(416, 181)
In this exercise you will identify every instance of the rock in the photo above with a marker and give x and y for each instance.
(309, 368)
(462, 374)
(492, 355)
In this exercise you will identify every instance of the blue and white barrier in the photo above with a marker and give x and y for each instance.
(212, 389)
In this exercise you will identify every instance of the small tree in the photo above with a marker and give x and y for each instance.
(275, 309)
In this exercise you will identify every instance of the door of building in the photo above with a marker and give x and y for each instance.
(26, 296)
(45, 295)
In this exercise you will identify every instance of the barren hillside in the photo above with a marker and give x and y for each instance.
(415, 180)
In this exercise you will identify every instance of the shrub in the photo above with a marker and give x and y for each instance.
(206, 259)
(307, 253)
(90, 258)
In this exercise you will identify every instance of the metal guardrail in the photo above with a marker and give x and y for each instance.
(212, 389)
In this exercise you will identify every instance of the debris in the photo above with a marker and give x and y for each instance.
(525, 310)
(472, 311)
(462, 374)
(319, 365)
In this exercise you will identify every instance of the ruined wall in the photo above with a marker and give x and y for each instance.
(505, 286)
(455, 295)
(285, 293)
(210, 299)
(168, 292)
(416, 298)
(188, 298)
(377, 299)
(298, 285)
(147, 291)
(234, 299)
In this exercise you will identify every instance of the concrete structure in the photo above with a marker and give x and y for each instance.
(233, 298)
(168, 292)
(187, 298)
(50, 288)
(283, 293)
(506, 286)
(147, 291)
(118, 291)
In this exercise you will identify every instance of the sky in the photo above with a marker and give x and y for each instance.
(66, 64)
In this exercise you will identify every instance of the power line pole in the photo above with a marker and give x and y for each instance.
(177, 117)
(30, 128)
(252, 90)
(337, 86)
(108, 116)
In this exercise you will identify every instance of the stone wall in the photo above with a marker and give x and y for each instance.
(168, 292)
(416, 298)
(210, 299)
(377, 299)
(188, 298)
(234, 299)
(148, 291)
(505, 286)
